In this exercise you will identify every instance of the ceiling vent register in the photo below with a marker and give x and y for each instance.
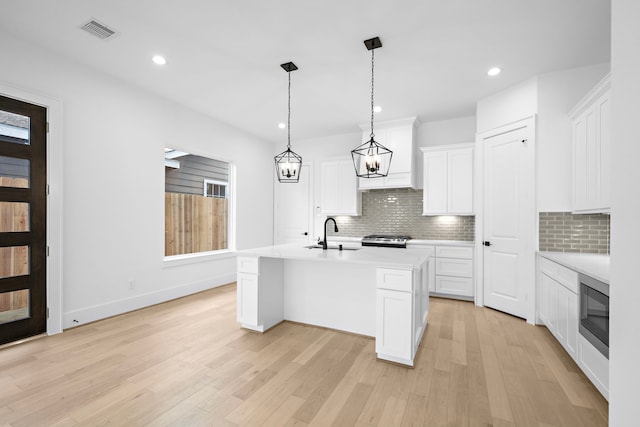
(99, 30)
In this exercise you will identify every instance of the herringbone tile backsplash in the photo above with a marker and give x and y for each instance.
(399, 211)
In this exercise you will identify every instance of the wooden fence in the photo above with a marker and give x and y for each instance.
(194, 223)
(14, 261)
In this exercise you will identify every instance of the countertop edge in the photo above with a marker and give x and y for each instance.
(592, 265)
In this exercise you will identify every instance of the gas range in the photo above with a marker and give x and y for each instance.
(385, 240)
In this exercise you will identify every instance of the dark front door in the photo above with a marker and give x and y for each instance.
(23, 217)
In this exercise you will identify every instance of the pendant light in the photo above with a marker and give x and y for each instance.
(371, 159)
(288, 163)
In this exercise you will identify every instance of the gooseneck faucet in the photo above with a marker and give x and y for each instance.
(335, 226)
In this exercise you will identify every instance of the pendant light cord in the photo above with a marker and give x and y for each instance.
(372, 134)
(289, 114)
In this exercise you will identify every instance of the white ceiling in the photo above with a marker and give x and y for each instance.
(224, 56)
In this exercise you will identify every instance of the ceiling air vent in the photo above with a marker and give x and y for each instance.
(99, 30)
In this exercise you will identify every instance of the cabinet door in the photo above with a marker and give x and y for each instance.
(603, 106)
(330, 184)
(460, 181)
(572, 324)
(562, 321)
(435, 183)
(399, 140)
(567, 323)
(543, 298)
(592, 158)
(348, 195)
(584, 161)
(550, 304)
(393, 323)
(247, 299)
(339, 192)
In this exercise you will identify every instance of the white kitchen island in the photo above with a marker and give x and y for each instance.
(378, 292)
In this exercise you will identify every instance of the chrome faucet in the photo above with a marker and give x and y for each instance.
(335, 225)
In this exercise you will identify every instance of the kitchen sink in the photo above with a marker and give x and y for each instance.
(336, 248)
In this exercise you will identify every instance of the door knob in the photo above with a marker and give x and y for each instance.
(305, 234)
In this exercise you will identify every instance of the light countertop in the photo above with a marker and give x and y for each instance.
(419, 242)
(410, 243)
(382, 257)
(594, 265)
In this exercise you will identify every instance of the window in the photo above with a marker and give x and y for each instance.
(197, 204)
(215, 188)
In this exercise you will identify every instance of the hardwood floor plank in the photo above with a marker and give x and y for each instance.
(187, 362)
(353, 406)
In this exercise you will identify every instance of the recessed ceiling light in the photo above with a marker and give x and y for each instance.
(282, 125)
(494, 71)
(377, 109)
(158, 59)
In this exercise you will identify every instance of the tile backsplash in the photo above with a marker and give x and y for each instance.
(567, 232)
(399, 211)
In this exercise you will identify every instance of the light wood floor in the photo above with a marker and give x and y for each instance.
(187, 363)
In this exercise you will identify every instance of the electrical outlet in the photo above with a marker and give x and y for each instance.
(132, 284)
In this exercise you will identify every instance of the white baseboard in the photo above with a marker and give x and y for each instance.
(102, 311)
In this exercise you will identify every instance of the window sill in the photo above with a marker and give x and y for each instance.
(177, 260)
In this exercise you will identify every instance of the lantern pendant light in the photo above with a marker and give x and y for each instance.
(371, 159)
(288, 163)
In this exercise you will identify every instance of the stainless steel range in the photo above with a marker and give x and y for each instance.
(385, 240)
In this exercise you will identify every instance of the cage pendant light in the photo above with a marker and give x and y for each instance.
(288, 163)
(372, 159)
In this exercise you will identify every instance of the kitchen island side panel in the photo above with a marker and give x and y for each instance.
(335, 295)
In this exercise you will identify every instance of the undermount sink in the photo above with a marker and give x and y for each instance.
(337, 248)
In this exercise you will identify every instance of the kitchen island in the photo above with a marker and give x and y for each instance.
(377, 292)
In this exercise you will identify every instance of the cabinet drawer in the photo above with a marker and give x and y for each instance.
(563, 275)
(248, 265)
(454, 267)
(454, 285)
(454, 252)
(395, 280)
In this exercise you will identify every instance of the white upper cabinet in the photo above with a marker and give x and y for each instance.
(448, 180)
(591, 150)
(339, 192)
(399, 136)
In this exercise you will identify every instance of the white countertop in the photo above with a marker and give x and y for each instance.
(418, 242)
(594, 265)
(410, 243)
(382, 257)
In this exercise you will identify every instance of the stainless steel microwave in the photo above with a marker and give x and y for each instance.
(594, 313)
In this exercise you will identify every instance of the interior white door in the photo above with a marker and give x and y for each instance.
(509, 220)
(293, 209)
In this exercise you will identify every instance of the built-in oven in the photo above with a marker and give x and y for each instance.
(594, 313)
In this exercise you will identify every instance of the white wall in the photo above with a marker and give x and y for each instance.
(508, 106)
(625, 232)
(113, 199)
(444, 132)
(558, 93)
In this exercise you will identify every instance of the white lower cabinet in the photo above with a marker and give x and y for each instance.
(558, 303)
(259, 293)
(393, 327)
(453, 271)
(559, 311)
(402, 306)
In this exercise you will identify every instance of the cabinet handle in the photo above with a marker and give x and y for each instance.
(486, 243)
(305, 234)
